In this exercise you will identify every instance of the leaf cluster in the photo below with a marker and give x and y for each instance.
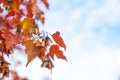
(19, 27)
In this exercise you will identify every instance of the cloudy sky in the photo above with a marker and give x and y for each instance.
(91, 31)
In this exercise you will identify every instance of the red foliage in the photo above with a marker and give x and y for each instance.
(54, 50)
(10, 39)
(18, 27)
(58, 39)
(1, 10)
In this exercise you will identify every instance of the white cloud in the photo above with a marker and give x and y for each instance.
(101, 63)
(108, 13)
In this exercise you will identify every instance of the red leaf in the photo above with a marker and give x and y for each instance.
(13, 13)
(42, 54)
(1, 10)
(10, 40)
(1, 1)
(45, 2)
(31, 50)
(58, 39)
(54, 50)
(29, 10)
(8, 25)
(2, 21)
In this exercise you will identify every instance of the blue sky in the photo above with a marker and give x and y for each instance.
(91, 31)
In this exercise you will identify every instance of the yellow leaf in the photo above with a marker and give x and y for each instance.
(27, 24)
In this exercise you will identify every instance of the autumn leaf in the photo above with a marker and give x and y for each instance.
(42, 54)
(45, 2)
(10, 40)
(58, 39)
(8, 25)
(27, 24)
(29, 10)
(2, 21)
(31, 50)
(54, 50)
(13, 13)
(1, 10)
(1, 1)
(15, 5)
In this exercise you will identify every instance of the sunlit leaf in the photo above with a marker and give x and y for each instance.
(10, 39)
(8, 25)
(42, 54)
(31, 50)
(27, 24)
(58, 39)
(15, 5)
(29, 10)
(13, 13)
(54, 50)
(2, 21)
(1, 10)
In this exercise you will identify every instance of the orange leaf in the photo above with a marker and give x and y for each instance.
(42, 54)
(31, 50)
(13, 13)
(2, 21)
(29, 10)
(54, 50)
(58, 39)
(15, 5)
(45, 2)
(1, 10)
(10, 39)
